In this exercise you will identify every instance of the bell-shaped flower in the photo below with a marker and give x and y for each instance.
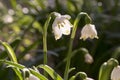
(88, 58)
(88, 31)
(115, 75)
(61, 25)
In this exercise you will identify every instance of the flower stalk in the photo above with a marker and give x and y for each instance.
(69, 55)
(63, 29)
(45, 38)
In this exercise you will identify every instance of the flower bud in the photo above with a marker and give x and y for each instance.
(88, 58)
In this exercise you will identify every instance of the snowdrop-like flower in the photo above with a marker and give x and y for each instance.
(88, 58)
(89, 79)
(32, 77)
(61, 25)
(88, 31)
(115, 75)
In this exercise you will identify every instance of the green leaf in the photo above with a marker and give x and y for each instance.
(10, 51)
(37, 74)
(15, 66)
(14, 45)
(51, 72)
(18, 73)
(106, 68)
(12, 64)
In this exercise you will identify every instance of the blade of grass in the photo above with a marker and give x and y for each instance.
(40, 76)
(15, 66)
(10, 51)
(14, 45)
(51, 72)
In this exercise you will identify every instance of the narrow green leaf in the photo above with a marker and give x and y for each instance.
(10, 51)
(12, 64)
(18, 73)
(14, 45)
(37, 74)
(15, 66)
(51, 72)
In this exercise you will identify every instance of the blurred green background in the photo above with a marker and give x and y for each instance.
(21, 25)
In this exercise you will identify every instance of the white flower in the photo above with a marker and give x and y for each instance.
(25, 10)
(8, 19)
(88, 58)
(115, 75)
(11, 12)
(88, 31)
(32, 77)
(61, 25)
(89, 79)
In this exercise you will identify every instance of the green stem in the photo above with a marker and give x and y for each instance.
(45, 39)
(45, 42)
(69, 55)
(68, 60)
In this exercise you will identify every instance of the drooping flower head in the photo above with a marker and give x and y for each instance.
(88, 31)
(88, 58)
(61, 25)
(115, 75)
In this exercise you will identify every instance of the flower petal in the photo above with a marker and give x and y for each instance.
(115, 75)
(57, 32)
(65, 30)
(66, 16)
